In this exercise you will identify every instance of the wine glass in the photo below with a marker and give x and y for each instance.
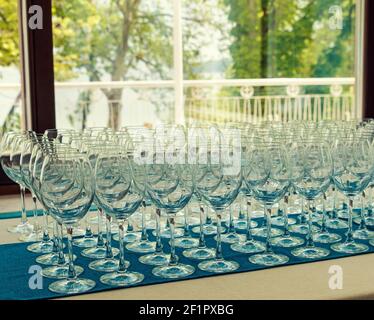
(67, 190)
(136, 136)
(119, 196)
(267, 175)
(219, 181)
(169, 185)
(8, 157)
(353, 170)
(56, 261)
(311, 167)
(29, 155)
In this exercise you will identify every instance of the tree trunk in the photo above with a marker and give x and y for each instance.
(114, 97)
(264, 37)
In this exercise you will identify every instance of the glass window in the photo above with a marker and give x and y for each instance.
(98, 42)
(10, 78)
(265, 43)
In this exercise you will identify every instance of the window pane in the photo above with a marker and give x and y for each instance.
(268, 39)
(10, 79)
(103, 41)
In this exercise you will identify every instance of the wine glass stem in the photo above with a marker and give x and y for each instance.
(72, 275)
(55, 238)
(36, 219)
(100, 237)
(108, 243)
(323, 224)
(173, 257)
(88, 233)
(231, 221)
(144, 236)
(285, 216)
(46, 237)
(23, 208)
(202, 236)
(350, 218)
(249, 218)
(268, 228)
(122, 263)
(219, 255)
(362, 213)
(310, 242)
(186, 231)
(370, 200)
(158, 232)
(60, 244)
(334, 209)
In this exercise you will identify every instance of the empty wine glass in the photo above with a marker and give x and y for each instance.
(219, 181)
(170, 187)
(8, 157)
(119, 196)
(268, 176)
(67, 190)
(353, 170)
(311, 167)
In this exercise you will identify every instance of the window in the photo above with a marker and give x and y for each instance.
(131, 62)
(10, 75)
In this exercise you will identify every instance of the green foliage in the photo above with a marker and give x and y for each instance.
(9, 47)
(290, 38)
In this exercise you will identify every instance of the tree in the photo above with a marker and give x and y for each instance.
(117, 38)
(283, 39)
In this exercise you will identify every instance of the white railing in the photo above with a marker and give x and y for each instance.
(248, 100)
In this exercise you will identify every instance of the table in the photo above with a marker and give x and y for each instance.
(307, 281)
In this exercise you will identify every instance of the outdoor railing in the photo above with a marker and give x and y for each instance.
(239, 100)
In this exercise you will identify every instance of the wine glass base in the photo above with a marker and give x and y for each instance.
(165, 234)
(123, 279)
(262, 232)
(242, 224)
(141, 246)
(286, 241)
(23, 228)
(77, 232)
(186, 242)
(343, 214)
(363, 234)
(41, 247)
(155, 259)
(279, 221)
(173, 272)
(97, 252)
(129, 237)
(230, 238)
(369, 221)
(350, 247)
(208, 229)
(336, 224)
(326, 237)
(251, 246)
(106, 265)
(85, 242)
(199, 253)
(268, 259)
(218, 266)
(51, 259)
(303, 229)
(72, 286)
(371, 242)
(31, 237)
(310, 252)
(59, 272)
